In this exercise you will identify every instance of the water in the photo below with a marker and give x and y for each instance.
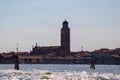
(59, 72)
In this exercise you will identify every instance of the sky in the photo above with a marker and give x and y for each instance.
(93, 24)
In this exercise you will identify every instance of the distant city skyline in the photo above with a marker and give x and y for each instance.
(94, 24)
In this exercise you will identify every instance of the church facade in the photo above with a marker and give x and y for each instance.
(63, 49)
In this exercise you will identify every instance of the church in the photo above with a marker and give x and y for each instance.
(63, 49)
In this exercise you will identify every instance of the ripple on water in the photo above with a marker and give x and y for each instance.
(50, 75)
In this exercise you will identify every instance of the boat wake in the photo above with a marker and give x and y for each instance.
(50, 75)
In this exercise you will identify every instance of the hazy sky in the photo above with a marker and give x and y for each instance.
(94, 24)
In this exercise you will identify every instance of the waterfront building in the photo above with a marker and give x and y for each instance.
(63, 49)
(65, 37)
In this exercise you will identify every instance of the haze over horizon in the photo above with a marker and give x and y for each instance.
(94, 24)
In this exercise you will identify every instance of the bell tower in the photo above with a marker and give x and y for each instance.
(65, 37)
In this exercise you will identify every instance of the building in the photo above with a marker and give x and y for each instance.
(62, 54)
(65, 37)
(63, 49)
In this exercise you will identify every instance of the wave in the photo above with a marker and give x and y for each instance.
(50, 75)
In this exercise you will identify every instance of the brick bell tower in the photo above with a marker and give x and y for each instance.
(65, 37)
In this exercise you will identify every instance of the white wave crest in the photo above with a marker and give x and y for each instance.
(50, 75)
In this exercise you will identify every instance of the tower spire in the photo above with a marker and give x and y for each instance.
(65, 24)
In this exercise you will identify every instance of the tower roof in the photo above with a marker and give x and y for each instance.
(65, 22)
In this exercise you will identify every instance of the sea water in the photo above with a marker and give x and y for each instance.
(59, 72)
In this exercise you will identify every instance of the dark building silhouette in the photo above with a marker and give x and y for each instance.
(65, 37)
(61, 50)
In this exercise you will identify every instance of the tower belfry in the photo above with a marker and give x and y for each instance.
(65, 37)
